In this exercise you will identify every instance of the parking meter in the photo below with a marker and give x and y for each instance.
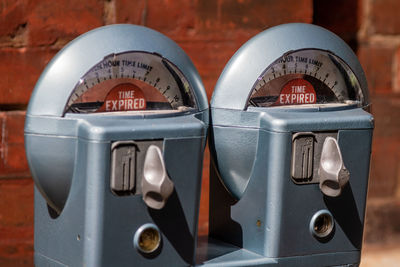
(115, 132)
(291, 144)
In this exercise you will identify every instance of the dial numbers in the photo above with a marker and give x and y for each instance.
(162, 84)
(332, 79)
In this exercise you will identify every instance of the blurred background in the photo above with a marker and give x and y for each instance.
(210, 31)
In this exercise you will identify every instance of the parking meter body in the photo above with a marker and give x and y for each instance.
(290, 145)
(115, 132)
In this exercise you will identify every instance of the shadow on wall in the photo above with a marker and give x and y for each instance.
(340, 17)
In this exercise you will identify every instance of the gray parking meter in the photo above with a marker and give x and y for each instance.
(115, 132)
(291, 144)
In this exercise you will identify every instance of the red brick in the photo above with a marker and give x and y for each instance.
(25, 260)
(259, 14)
(133, 12)
(384, 16)
(210, 59)
(184, 20)
(167, 16)
(21, 69)
(385, 168)
(16, 205)
(12, 154)
(171, 16)
(16, 246)
(16, 222)
(386, 111)
(13, 13)
(13, 22)
(60, 21)
(377, 62)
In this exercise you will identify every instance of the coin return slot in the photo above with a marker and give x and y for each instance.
(123, 167)
(303, 157)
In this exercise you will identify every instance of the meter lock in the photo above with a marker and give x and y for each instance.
(316, 158)
(132, 81)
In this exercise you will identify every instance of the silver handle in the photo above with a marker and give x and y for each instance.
(333, 174)
(156, 185)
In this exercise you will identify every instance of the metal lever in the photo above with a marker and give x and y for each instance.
(333, 175)
(156, 185)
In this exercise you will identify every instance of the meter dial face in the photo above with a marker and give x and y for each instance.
(132, 81)
(305, 78)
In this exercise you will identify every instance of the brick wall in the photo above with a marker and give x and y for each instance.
(210, 31)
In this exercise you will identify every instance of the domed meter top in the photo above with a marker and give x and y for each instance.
(132, 68)
(292, 65)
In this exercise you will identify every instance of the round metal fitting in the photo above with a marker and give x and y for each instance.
(322, 224)
(147, 238)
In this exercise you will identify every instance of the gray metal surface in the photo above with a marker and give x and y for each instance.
(97, 227)
(53, 171)
(249, 62)
(218, 253)
(234, 131)
(273, 211)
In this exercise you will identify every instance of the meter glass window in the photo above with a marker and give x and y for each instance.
(132, 81)
(305, 78)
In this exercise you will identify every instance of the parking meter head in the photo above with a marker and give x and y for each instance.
(290, 145)
(112, 70)
(290, 68)
(115, 132)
